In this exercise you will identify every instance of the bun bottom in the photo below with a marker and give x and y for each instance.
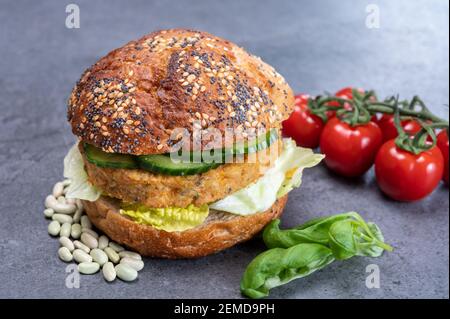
(219, 231)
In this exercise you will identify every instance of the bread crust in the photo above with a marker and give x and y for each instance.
(133, 99)
(220, 230)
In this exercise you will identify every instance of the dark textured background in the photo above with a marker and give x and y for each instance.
(316, 45)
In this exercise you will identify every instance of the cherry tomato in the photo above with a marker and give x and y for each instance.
(302, 99)
(387, 126)
(405, 176)
(345, 93)
(348, 150)
(303, 126)
(442, 143)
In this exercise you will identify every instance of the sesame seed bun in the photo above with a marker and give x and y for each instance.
(132, 99)
(220, 230)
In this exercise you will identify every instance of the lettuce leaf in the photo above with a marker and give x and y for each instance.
(74, 170)
(285, 175)
(169, 219)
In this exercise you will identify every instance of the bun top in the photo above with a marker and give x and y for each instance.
(133, 99)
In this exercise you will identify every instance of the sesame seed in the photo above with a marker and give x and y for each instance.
(191, 77)
(185, 83)
(130, 73)
(232, 114)
(160, 146)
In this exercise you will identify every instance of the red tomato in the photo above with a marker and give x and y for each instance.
(305, 128)
(348, 150)
(387, 126)
(442, 143)
(404, 176)
(345, 93)
(301, 99)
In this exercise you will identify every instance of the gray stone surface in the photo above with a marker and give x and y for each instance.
(317, 46)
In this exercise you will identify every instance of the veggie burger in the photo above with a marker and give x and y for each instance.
(154, 164)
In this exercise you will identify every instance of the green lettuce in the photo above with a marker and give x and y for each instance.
(169, 218)
(285, 175)
(74, 170)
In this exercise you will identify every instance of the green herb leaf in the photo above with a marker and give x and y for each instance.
(300, 251)
(279, 266)
(313, 231)
(342, 241)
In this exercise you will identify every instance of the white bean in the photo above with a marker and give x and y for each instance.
(79, 204)
(109, 272)
(66, 242)
(125, 272)
(88, 268)
(90, 232)
(130, 254)
(77, 215)
(85, 222)
(62, 218)
(81, 256)
(112, 255)
(70, 201)
(89, 240)
(58, 189)
(75, 231)
(61, 200)
(116, 247)
(103, 242)
(61, 208)
(81, 246)
(54, 227)
(133, 263)
(65, 230)
(48, 212)
(99, 256)
(64, 254)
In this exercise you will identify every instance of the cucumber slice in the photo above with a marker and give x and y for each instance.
(163, 164)
(109, 160)
(256, 145)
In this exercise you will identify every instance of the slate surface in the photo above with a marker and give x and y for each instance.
(317, 46)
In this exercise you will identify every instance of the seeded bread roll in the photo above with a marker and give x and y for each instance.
(132, 99)
(219, 231)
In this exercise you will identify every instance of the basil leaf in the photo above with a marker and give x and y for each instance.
(279, 266)
(342, 241)
(371, 249)
(314, 231)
